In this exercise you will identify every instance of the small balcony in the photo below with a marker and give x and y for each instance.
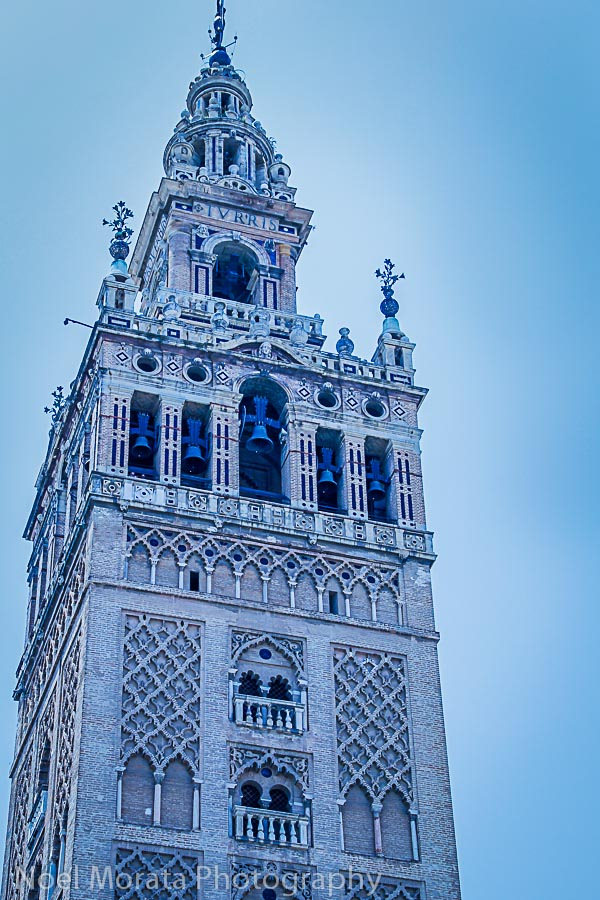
(263, 826)
(270, 714)
(37, 818)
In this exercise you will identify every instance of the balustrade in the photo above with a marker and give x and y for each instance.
(263, 826)
(263, 712)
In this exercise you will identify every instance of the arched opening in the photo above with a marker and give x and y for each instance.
(143, 436)
(280, 689)
(357, 817)
(236, 272)
(177, 799)
(231, 155)
(250, 684)
(138, 566)
(280, 799)
(263, 444)
(395, 828)
(251, 795)
(138, 792)
(378, 463)
(330, 469)
(195, 446)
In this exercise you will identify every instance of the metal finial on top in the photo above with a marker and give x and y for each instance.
(119, 245)
(389, 305)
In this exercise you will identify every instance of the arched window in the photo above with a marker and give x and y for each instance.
(143, 436)
(280, 799)
(251, 795)
(263, 446)
(250, 685)
(236, 272)
(279, 688)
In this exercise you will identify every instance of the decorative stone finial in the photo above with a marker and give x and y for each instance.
(389, 305)
(119, 245)
(345, 346)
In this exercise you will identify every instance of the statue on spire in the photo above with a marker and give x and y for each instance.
(219, 56)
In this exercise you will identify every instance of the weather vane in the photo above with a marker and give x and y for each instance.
(119, 245)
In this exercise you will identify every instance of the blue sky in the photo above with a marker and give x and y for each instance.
(462, 140)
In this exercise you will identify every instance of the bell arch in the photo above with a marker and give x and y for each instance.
(211, 245)
(263, 453)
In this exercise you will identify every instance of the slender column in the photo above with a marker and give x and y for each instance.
(347, 603)
(196, 811)
(414, 835)
(355, 478)
(120, 773)
(377, 807)
(62, 851)
(342, 842)
(158, 780)
(170, 435)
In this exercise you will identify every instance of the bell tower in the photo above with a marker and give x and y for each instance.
(230, 686)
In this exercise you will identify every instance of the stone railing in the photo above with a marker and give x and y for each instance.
(284, 518)
(264, 826)
(198, 310)
(263, 712)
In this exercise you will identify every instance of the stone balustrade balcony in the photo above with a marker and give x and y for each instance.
(264, 826)
(264, 712)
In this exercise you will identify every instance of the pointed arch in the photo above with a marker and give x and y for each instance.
(306, 593)
(224, 579)
(167, 570)
(279, 588)
(138, 565)
(360, 602)
(251, 583)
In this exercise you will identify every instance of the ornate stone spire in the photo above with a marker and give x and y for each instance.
(217, 139)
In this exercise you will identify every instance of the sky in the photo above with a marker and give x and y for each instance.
(461, 139)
